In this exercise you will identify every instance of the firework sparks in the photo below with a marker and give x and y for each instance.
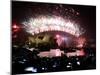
(52, 23)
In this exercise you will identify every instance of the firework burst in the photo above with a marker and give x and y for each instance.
(54, 23)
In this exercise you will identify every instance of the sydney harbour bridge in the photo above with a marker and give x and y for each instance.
(50, 42)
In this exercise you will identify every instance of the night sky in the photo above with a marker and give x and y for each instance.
(58, 32)
(84, 15)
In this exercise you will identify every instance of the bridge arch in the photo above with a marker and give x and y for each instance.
(55, 23)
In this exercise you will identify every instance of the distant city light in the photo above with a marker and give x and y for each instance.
(15, 26)
(78, 63)
(32, 69)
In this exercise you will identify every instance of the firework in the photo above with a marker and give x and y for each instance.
(52, 23)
